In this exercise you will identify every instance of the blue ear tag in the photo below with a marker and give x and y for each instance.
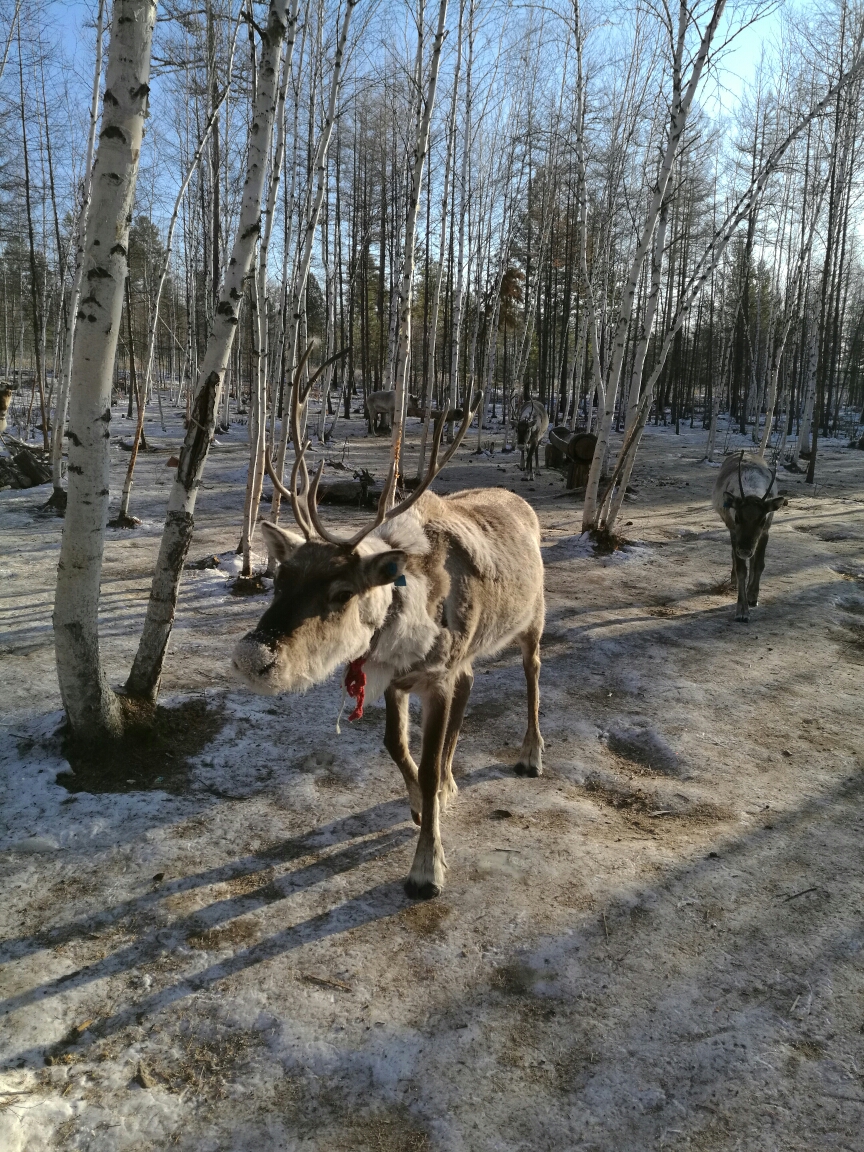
(728, 501)
(400, 581)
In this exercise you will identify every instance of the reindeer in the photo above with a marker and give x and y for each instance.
(530, 428)
(409, 602)
(748, 515)
(6, 395)
(383, 404)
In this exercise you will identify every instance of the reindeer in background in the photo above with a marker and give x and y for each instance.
(408, 602)
(530, 429)
(382, 406)
(745, 497)
(6, 395)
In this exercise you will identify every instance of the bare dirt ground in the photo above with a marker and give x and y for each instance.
(657, 945)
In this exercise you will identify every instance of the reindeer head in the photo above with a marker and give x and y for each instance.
(751, 515)
(328, 600)
(331, 594)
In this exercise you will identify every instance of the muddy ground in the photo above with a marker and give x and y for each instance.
(657, 945)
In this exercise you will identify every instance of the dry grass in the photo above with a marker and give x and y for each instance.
(514, 979)
(64, 1132)
(249, 882)
(205, 1066)
(425, 919)
(383, 1133)
(551, 820)
(237, 934)
(649, 812)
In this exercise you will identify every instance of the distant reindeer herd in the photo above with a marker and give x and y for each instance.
(415, 596)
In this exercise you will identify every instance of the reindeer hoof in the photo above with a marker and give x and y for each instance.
(753, 603)
(427, 891)
(415, 816)
(527, 770)
(741, 619)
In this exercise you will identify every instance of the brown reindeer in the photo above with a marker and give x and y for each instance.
(530, 427)
(381, 406)
(745, 497)
(6, 395)
(409, 602)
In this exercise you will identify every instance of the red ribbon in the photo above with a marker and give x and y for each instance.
(355, 685)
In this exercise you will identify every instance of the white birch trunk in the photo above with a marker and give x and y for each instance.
(809, 399)
(421, 148)
(58, 499)
(92, 707)
(702, 271)
(459, 291)
(442, 248)
(302, 273)
(179, 522)
(682, 100)
(577, 372)
(258, 427)
(123, 517)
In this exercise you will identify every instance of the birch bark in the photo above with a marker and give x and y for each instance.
(258, 415)
(442, 247)
(92, 707)
(180, 519)
(124, 520)
(58, 497)
(421, 148)
(302, 274)
(681, 103)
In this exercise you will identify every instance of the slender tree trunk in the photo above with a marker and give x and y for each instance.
(442, 245)
(421, 149)
(34, 285)
(179, 523)
(124, 520)
(301, 276)
(91, 706)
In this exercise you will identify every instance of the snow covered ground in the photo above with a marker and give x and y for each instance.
(657, 945)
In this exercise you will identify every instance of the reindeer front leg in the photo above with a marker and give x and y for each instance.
(742, 613)
(757, 567)
(426, 878)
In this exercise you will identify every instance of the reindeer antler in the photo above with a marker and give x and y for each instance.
(770, 484)
(740, 481)
(308, 500)
(300, 499)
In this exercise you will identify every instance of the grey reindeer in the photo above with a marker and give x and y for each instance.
(745, 497)
(408, 602)
(530, 429)
(381, 406)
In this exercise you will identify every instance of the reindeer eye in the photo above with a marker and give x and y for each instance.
(342, 596)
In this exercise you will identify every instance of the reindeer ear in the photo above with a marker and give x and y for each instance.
(382, 568)
(729, 501)
(775, 502)
(280, 544)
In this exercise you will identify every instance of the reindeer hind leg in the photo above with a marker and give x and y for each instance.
(426, 878)
(396, 743)
(461, 692)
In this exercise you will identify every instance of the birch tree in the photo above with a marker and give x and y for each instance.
(58, 497)
(92, 708)
(421, 149)
(146, 670)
